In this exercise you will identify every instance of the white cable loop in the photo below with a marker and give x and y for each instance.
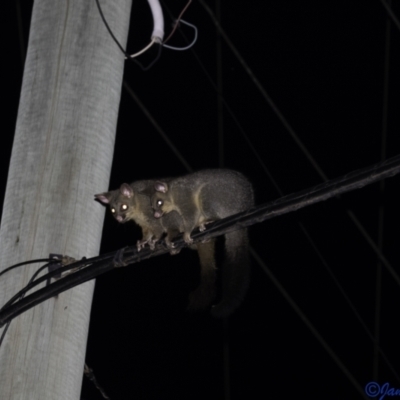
(188, 46)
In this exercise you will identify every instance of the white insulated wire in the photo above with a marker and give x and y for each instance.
(153, 40)
(188, 46)
(158, 18)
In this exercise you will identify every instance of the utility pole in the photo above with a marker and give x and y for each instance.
(62, 155)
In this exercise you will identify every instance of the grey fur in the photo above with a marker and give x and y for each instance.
(206, 196)
(138, 209)
(136, 196)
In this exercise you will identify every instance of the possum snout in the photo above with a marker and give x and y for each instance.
(158, 214)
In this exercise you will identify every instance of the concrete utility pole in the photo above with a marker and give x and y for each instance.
(62, 155)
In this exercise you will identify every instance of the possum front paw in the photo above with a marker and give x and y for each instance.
(171, 247)
(187, 238)
(141, 244)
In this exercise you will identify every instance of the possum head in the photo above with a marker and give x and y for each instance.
(120, 201)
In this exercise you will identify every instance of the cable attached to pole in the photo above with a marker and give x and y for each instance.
(88, 269)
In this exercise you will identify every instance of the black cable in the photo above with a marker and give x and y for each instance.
(127, 55)
(40, 260)
(51, 274)
(21, 295)
(109, 29)
(4, 332)
(99, 265)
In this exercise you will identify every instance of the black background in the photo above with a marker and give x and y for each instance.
(323, 64)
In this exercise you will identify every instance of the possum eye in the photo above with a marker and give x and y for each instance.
(160, 203)
(113, 210)
(124, 207)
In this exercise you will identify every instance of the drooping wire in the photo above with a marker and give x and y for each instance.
(189, 45)
(109, 29)
(22, 294)
(154, 39)
(127, 55)
(177, 22)
(40, 260)
(73, 266)
(142, 67)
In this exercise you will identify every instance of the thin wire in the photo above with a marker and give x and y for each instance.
(263, 91)
(381, 209)
(269, 176)
(188, 46)
(220, 109)
(275, 184)
(177, 22)
(153, 40)
(109, 29)
(158, 128)
(391, 13)
(40, 260)
(308, 323)
(22, 294)
(151, 64)
(4, 332)
(292, 132)
(350, 303)
(34, 282)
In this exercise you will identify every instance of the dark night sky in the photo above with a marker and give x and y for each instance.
(323, 65)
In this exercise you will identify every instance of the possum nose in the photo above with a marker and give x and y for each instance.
(120, 218)
(158, 214)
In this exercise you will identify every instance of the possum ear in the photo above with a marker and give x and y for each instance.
(126, 190)
(161, 187)
(103, 198)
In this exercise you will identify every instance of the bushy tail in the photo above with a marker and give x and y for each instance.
(235, 273)
(204, 295)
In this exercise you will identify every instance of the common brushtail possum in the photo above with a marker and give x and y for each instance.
(129, 202)
(206, 196)
(132, 202)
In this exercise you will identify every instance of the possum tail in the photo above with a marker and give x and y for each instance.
(204, 295)
(235, 273)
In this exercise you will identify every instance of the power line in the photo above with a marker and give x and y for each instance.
(90, 268)
(289, 128)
